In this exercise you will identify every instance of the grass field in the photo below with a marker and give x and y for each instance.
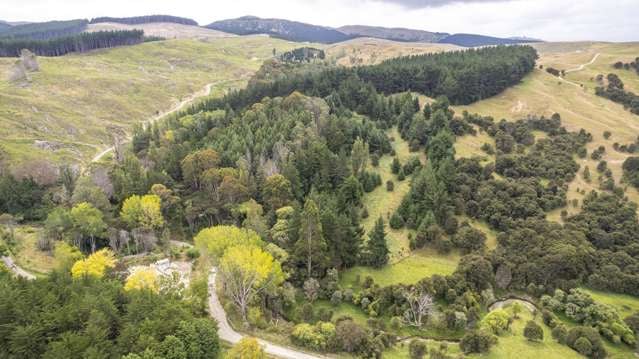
(26, 253)
(80, 101)
(515, 345)
(420, 264)
(163, 29)
(543, 94)
(382, 203)
(625, 304)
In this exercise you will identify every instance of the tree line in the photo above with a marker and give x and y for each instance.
(78, 43)
(463, 77)
(44, 30)
(135, 20)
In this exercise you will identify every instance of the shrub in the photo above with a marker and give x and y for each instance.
(477, 341)
(352, 337)
(559, 333)
(395, 166)
(390, 186)
(193, 253)
(396, 221)
(336, 297)
(321, 336)
(533, 331)
(586, 341)
(417, 349)
(496, 321)
(307, 312)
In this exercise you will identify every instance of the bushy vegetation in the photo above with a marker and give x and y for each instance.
(615, 91)
(77, 43)
(64, 317)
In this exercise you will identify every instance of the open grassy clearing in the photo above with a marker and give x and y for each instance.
(515, 345)
(543, 94)
(625, 304)
(420, 264)
(80, 101)
(368, 51)
(381, 203)
(406, 266)
(26, 253)
(469, 146)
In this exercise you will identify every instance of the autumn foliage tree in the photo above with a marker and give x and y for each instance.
(247, 271)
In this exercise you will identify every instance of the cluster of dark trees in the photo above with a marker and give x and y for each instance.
(627, 66)
(44, 30)
(22, 198)
(464, 77)
(78, 43)
(303, 54)
(62, 317)
(631, 170)
(135, 20)
(615, 92)
(553, 71)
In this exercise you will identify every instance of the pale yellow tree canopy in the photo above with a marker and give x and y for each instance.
(216, 240)
(144, 212)
(95, 265)
(142, 278)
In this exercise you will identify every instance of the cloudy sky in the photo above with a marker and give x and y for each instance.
(553, 20)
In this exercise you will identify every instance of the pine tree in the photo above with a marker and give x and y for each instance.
(377, 247)
(311, 245)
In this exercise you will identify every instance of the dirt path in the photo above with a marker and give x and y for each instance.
(583, 66)
(579, 68)
(205, 92)
(227, 333)
(8, 261)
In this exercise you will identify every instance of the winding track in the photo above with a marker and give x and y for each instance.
(205, 92)
(227, 333)
(579, 68)
(8, 261)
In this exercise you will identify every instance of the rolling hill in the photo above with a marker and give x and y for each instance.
(167, 30)
(279, 28)
(45, 30)
(4, 26)
(394, 34)
(75, 104)
(472, 40)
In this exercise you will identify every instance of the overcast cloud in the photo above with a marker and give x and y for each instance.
(553, 20)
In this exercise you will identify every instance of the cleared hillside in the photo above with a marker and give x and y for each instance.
(76, 103)
(370, 51)
(163, 29)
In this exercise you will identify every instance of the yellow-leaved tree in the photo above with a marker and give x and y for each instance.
(143, 212)
(247, 348)
(142, 278)
(94, 265)
(216, 240)
(248, 270)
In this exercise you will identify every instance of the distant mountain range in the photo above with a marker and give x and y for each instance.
(395, 34)
(284, 29)
(280, 28)
(298, 31)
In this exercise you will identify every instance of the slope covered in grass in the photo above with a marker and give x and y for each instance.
(543, 94)
(78, 102)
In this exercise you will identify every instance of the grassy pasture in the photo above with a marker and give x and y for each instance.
(80, 101)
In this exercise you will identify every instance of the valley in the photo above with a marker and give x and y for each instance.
(267, 188)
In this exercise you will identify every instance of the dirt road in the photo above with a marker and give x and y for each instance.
(227, 333)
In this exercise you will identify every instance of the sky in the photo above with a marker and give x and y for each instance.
(550, 20)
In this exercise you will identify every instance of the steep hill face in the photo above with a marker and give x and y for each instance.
(395, 34)
(472, 40)
(283, 29)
